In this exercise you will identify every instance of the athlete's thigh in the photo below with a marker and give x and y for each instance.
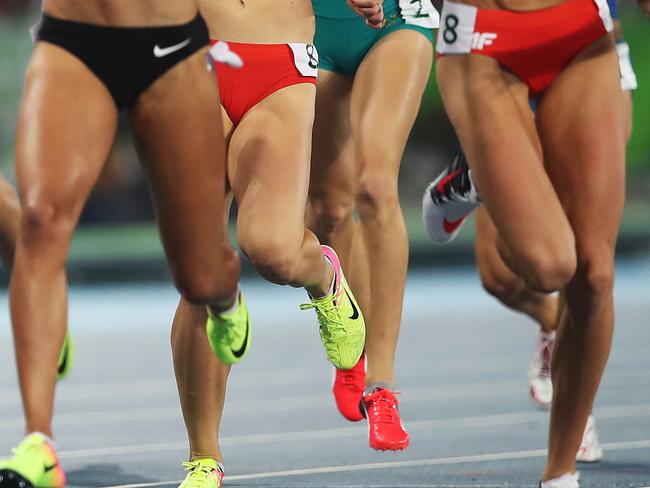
(65, 130)
(489, 110)
(268, 162)
(178, 128)
(387, 92)
(583, 127)
(332, 159)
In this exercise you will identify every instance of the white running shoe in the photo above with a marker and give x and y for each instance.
(568, 480)
(448, 200)
(590, 450)
(539, 372)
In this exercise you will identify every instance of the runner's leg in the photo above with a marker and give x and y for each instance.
(200, 377)
(489, 110)
(332, 184)
(268, 165)
(385, 100)
(66, 128)
(179, 135)
(584, 151)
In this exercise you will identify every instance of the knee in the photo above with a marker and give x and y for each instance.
(272, 256)
(329, 214)
(594, 276)
(46, 223)
(377, 197)
(206, 283)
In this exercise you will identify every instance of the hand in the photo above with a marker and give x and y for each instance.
(371, 10)
(645, 5)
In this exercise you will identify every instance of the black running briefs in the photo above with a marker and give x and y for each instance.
(126, 59)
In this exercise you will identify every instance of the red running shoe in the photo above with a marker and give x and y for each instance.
(385, 429)
(348, 389)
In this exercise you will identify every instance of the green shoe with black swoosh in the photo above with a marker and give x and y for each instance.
(342, 328)
(66, 357)
(34, 465)
(229, 332)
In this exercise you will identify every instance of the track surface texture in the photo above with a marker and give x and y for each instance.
(461, 369)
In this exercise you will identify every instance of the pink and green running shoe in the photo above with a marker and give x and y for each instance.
(34, 465)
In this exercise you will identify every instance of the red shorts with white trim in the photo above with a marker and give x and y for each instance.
(535, 45)
(266, 69)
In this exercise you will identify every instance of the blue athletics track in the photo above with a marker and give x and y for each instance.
(461, 366)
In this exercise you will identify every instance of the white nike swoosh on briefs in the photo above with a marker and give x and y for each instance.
(161, 52)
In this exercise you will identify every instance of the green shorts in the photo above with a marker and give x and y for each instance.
(343, 40)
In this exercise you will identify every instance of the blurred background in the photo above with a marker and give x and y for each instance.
(117, 239)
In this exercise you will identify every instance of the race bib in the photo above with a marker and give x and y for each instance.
(305, 58)
(419, 12)
(456, 28)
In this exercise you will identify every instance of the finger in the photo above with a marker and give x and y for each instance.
(376, 21)
(366, 3)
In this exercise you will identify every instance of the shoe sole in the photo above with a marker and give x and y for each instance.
(384, 448)
(11, 479)
(597, 456)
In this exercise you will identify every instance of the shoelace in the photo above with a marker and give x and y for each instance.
(199, 473)
(382, 404)
(327, 308)
(457, 181)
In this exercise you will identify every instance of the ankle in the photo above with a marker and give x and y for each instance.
(226, 306)
(377, 385)
(326, 287)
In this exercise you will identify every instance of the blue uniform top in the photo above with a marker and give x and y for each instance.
(613, 8)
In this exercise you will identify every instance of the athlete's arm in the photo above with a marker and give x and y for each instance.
(645, 5)
(371, 10)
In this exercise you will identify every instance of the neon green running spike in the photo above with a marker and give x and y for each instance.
(229, 333)
(66, 358)
(34, 465)
(202, 473)
(342, 328)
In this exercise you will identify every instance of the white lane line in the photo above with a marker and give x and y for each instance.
(476, 458)
(472, 422)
